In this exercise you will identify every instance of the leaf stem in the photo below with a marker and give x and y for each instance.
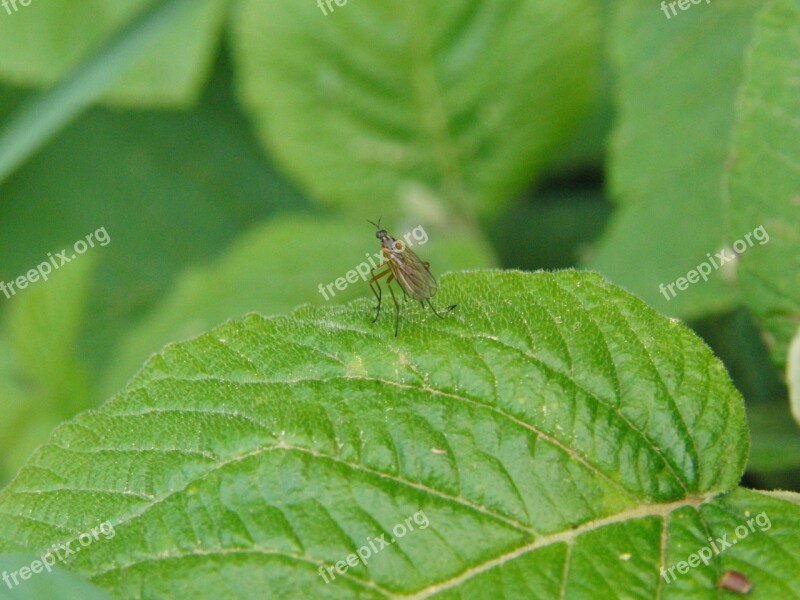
(39, 120)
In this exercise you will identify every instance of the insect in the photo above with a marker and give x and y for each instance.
(412, 274)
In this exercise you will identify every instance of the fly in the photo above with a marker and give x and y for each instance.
(412, 274)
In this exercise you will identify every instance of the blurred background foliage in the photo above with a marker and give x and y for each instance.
(233, 150)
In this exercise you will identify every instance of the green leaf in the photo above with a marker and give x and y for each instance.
(553, 436)
(59, 35)
(764, 184)
(774, 439)
(275, 267)
(44, 380)
(54, 582)
(676, 87)
(41, 119)
(586, 148)
(416, 103)
(171, 188)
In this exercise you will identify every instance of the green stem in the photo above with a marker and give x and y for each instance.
(35, 123)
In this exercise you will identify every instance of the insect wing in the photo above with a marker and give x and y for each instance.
(412, 274)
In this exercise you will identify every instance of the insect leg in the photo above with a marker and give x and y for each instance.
(396, 304)
(449, 308)
(376, 289)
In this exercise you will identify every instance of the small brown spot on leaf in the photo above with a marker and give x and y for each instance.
(734, 581)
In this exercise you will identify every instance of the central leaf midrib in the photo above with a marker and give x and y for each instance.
(433, 114)
(543, 540)
(649, 444)
(572, 453)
